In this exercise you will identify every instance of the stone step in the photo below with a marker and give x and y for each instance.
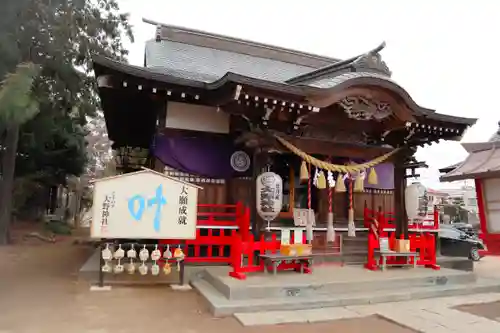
(221, 306)
(321, 282)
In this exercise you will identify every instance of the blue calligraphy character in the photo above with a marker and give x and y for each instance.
(136, 214)
(158, 200)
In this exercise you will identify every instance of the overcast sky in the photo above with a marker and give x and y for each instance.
(443, 52)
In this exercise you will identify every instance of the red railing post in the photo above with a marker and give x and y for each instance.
(237, 259)
(371, 264)
(436, 218)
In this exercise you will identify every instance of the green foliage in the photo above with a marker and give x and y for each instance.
(58, 227)
(59, 36)
(17, 104)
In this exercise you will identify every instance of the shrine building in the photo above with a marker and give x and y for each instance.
(217, 111)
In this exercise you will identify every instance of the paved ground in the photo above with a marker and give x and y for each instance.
(478, 313)
(429, 316)
(41, 293)
(488, 310)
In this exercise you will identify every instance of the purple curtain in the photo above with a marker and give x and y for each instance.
(211, 157)
(206, 157)
(385, 173)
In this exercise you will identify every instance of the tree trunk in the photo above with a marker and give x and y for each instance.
(6, 187)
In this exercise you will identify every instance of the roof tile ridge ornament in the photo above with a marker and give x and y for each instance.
(370, 60)
(496, 136)
(373, 60)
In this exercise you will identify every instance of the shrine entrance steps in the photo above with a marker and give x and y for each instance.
(332, 286)
(355, 249)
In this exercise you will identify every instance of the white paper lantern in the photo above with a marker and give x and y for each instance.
(269, 195)
(413, 196)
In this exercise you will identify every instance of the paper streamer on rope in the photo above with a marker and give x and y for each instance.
(331, 180)
(316, 176)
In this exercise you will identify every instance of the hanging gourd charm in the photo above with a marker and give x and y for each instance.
(132, 253)
(106, 253)
(155, 269)
(167, 254)
(144, 254)
(118, 267)
(131, 267)
(167, 269)
(143, 268)
(106, 268)
(119, 254)
(179, 255)
(155, 254)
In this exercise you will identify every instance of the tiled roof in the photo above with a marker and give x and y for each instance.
(208, 64)
(478, 164)
(475, 148)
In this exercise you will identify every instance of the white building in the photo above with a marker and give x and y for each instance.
(465, 194)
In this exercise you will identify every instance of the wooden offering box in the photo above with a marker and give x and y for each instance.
(402, 245)
(296, 250)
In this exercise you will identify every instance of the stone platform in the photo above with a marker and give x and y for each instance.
(332, 286)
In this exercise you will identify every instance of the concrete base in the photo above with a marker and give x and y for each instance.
(181, 287)
(97, 288)
(333, 287)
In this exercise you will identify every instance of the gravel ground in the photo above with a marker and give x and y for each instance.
(40, 292)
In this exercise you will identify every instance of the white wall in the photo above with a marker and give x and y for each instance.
(492, 202)
(196, 118)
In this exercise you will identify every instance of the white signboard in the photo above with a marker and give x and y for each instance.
(303, 217)
(144, 204)
(285, 236)
(269, 195)
(298, 235)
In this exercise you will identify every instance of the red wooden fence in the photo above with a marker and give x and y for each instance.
(217, 228)
(422, 242)
(243, 256)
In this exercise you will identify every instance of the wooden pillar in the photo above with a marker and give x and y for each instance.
(481, 209)
(399, 195)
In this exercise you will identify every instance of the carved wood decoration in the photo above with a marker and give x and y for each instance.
(314, 132)
(362, 108)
